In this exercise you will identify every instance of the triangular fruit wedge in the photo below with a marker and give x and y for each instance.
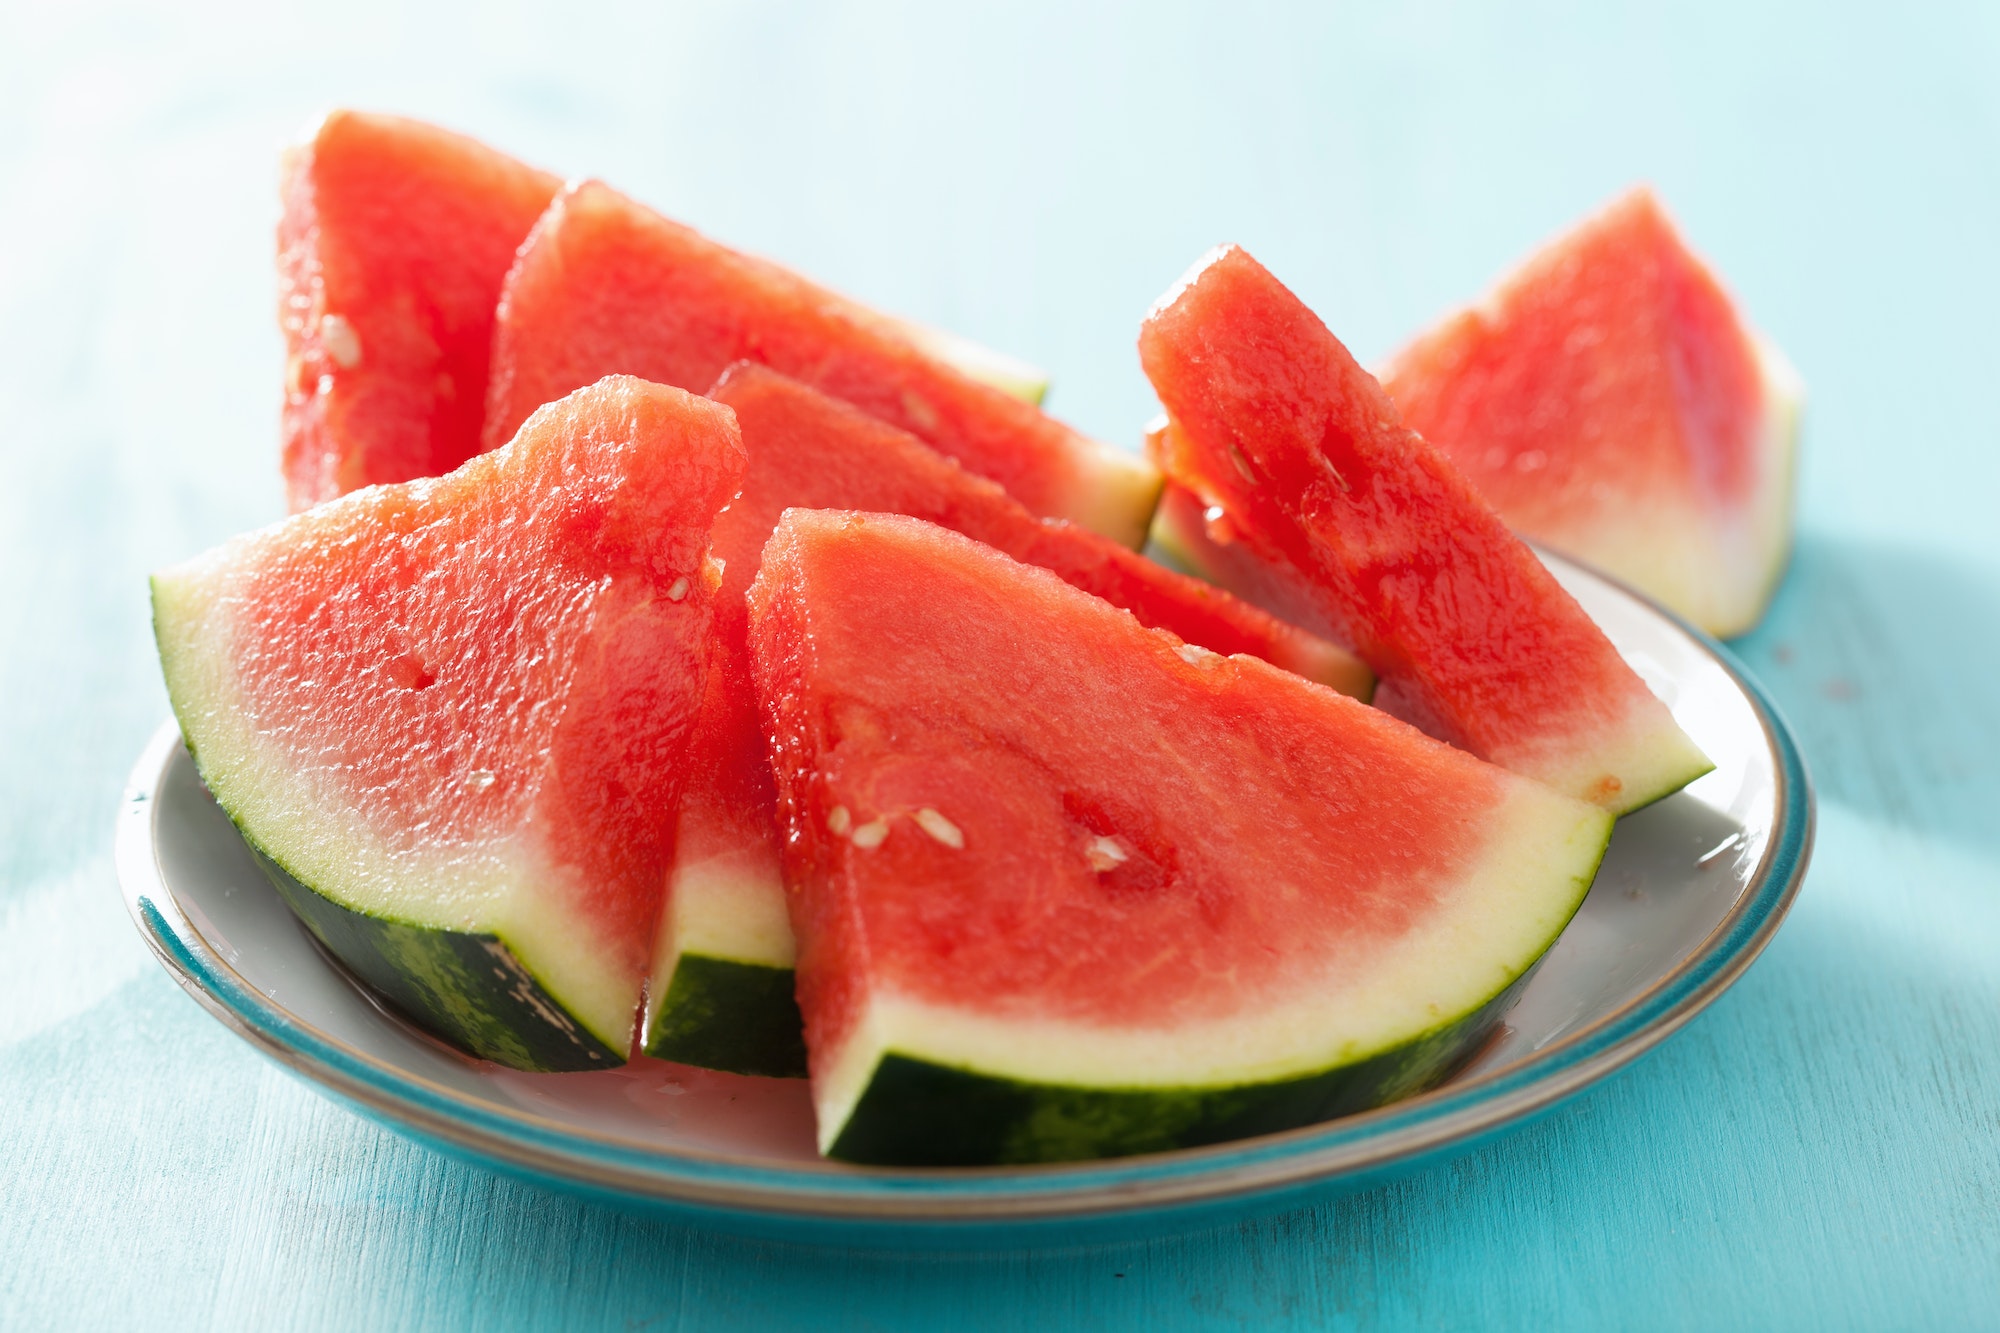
(722, 981)
(1301, 455)
(1068, 887)
(451, 715)
(1609, 401)
(606, 285)
(395, 238)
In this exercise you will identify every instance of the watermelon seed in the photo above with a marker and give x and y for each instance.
(839, 821)
(1106, 854)
(342, 343)
(870, 835)
(935, 824)
(679, 589)
(480, 779)
(1242, 464)
(1197, 656)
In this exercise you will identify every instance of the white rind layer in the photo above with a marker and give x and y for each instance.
(1646, 751)
(297, 816)
(1630, 764)
(1487, 928)
(1124, 487)
(1716, 567)
(729, 907)
(1011, 376)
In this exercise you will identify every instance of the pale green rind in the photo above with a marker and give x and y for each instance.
(1100, 1089)
(1121, 488)
(916, 1113)
(720, 993)
(1784, 406)
(1122, 493)
(1013, 377)
(469, 989)
(1652, 755)
(294, 817)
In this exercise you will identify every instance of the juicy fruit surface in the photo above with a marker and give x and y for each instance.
(1275, 424)
(395, 238)
(1192, 537)
(809, 451)
(463, 703)
(1059, 847)
(607, 286)
(1608, 400)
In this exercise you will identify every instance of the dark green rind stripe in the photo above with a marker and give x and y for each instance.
(738, 1017)
(917, 1113)
(467, 989)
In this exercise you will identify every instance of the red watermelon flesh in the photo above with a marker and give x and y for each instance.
(1609, 401)
(1273, 423)
(464, 703)
(1032, 842)
(605, 285)
(1198, 537)
(395, 238)
(807, 450)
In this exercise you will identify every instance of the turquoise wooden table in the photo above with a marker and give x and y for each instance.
(1819, 1150)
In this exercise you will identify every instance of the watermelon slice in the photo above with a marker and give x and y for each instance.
(722, 984)
(1066, 887)
(1196, 537)
(1275, 426)
(451, 715)
(1608, 400)
(606, 285)
(395, 238)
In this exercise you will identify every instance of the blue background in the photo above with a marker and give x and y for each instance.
(1820, 1150)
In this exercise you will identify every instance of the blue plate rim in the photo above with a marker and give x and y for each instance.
(1358, 1145)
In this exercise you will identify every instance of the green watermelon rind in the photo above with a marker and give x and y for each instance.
(915, 1110)
(1672, 761)
(920, 1113)
(440, 988)
(467, 987)
(1010, 375)
(722, 1013)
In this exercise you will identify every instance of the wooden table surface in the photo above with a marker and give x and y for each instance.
(1820, 1150)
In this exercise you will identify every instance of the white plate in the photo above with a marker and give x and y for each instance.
(1689, 892)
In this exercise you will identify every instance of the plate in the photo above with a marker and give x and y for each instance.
(1690, 891)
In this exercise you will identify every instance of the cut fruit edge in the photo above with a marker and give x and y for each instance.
(1008, 374)
(351, 867)
(475, 890)
(1411, 988)
(720, 991)
(1654, 760)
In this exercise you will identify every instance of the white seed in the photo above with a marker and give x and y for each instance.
(1106, 854)
(1195, 656)
(935, 824)
(480, 779)
(870, 835)
(342, 343)
(679, 589)
(839, 821)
